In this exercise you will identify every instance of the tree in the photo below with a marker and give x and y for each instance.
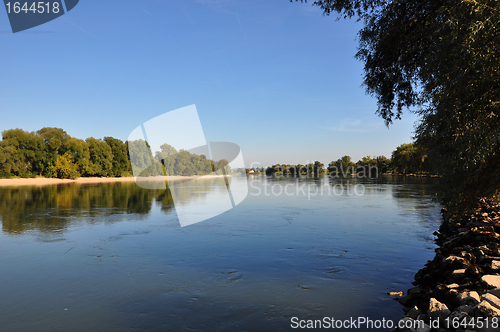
(409, 158)
(80, 154)
(64, 168)
(55, 140)
(383, 164)
(341, 167)
(27, 152)
(440, 60)
(101, 158)
(318, 168)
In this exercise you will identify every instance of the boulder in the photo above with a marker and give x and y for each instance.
(491, 280)
(466, 298)
(413, 313)
(492, 299)
(455, 261)
(495, 292)
(465, 308)
(438, 309)
(487, 310)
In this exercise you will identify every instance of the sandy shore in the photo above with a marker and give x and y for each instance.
(53, 181)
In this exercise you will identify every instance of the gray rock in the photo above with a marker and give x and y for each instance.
(465, 308)
(425, 328)
(458, 316)
(458, 272)
(486, 309)
(491, 280)
(495, 265)
(438, 309)
(492, 299)
(452, 286)
(495, 292)
(455, 260)
(413, 313)
(469, 298)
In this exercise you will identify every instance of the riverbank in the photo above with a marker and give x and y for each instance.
(459, 290)
(53, 181)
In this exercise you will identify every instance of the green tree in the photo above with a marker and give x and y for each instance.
(383, 164)
(341, 167)
(10, 161)
(55, 140)
(141, 159)
(28, 152)
(409, 158)
(80, 153)
(101, 158)
(120, 160)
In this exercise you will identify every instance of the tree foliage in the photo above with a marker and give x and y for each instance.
(440, 59)
(410, 159)
(64, 168)
(119, 149)
(101, 158)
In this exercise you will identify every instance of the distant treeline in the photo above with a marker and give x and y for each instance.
(51, 152)
(406, 159)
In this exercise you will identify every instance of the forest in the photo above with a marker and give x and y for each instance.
(407, 159)
(51, 152)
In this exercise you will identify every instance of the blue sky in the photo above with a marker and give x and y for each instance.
(277, 78)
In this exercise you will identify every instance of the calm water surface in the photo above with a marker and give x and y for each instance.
(113, 257)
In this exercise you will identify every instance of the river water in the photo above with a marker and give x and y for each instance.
(113, 257)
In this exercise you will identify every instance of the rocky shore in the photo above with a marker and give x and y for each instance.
(459, 290)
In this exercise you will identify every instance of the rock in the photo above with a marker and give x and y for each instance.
(465, 308)
(492, 299)
(453, 286)
(458, 316)
(487, 310)
(438, 309)
(416, 290)
(458, 272)
(404, 300)
(425, 328)
(466, 298)
(495, 265)
(491, 280)
(472, 271)
(413, 313)
(495, 292)
(455, 261)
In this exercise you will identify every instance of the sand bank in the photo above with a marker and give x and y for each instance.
(53, 181)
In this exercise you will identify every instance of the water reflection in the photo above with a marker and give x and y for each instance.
(54, 208)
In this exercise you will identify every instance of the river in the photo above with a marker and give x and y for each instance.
(113, 257)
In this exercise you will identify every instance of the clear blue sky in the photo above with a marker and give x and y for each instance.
(277, 78)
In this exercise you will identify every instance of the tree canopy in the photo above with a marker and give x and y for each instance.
(441, 60)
